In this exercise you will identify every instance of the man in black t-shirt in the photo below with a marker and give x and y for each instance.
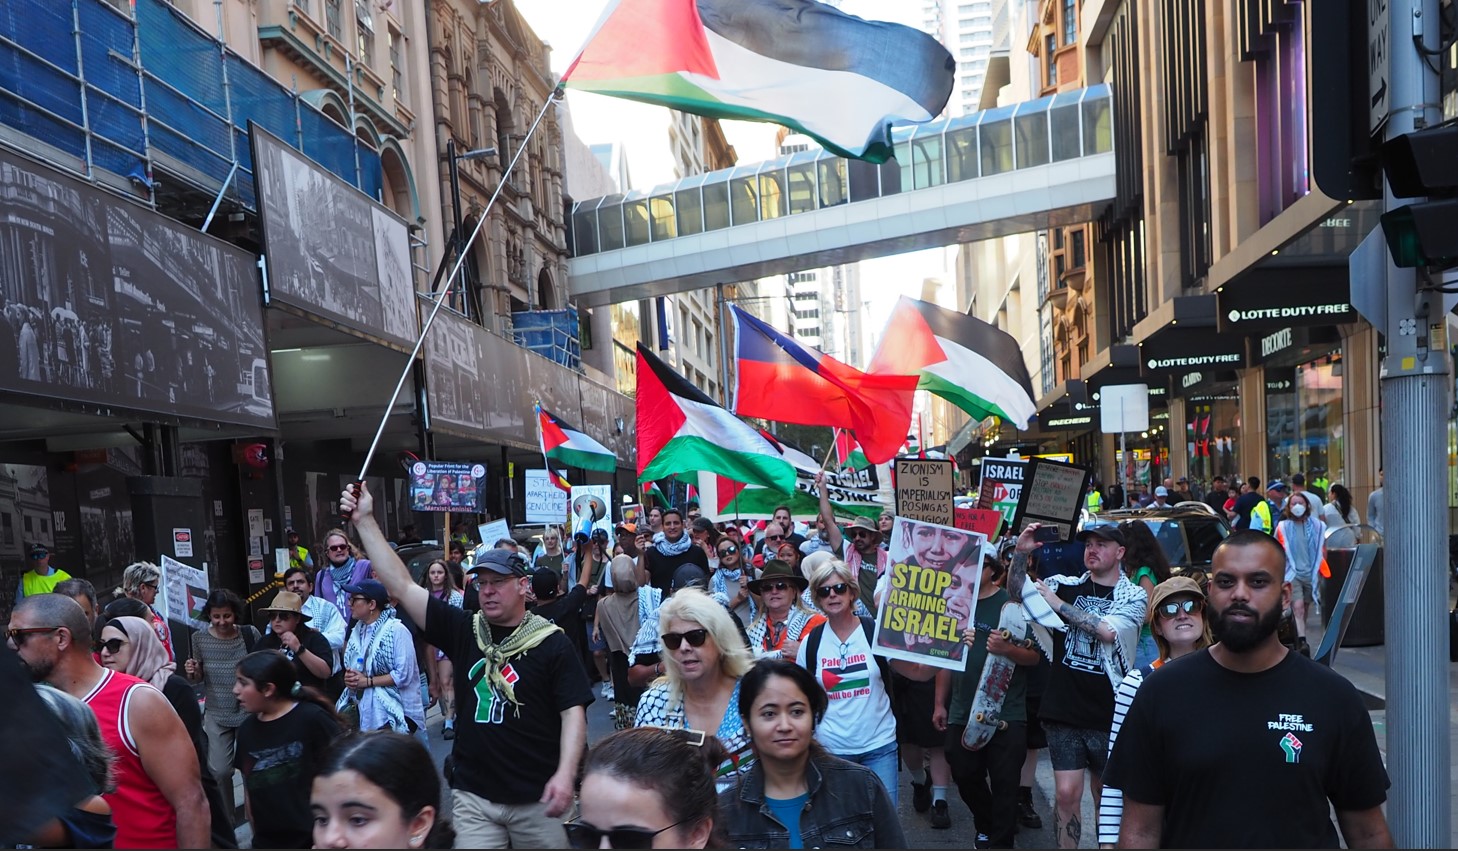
(521, 724)
(1218, 495)
(1250, 497)
(1291, 740)
(670, 549)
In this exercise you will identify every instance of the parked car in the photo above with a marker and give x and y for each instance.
(1188, 532)
(417, 557)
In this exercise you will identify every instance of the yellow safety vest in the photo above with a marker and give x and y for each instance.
(33, 584)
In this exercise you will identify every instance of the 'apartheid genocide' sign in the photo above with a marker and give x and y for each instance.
(924, 490)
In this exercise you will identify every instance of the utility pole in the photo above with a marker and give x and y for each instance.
(1414, 381)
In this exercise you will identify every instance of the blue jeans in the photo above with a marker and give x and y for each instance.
(1146, 651)
(885, 762)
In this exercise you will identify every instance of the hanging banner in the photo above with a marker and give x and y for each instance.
(924, 490)
(448, 486)
(184, 591)
(852, 492)
(590, 504)
(1052, 495)
(934, 581)
(545, 502)
(1002, 484)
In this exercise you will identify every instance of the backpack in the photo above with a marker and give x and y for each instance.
(868, 626)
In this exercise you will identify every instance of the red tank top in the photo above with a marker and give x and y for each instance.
(143, 816)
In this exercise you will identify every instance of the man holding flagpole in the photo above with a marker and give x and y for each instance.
(864, 555)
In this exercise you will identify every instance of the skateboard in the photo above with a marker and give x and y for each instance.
(985, 719)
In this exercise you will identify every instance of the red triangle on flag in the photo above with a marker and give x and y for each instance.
(645, 38)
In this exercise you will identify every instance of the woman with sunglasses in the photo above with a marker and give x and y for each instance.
(1145, 559)
(702, 660)
(141, 581)
(1177, 613)
(783, 618)
(796, 795)
(648, 788)
(732, 579)
(129, 645)
(858, 725)
(342, 566)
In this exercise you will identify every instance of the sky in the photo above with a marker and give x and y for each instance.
(641, 128)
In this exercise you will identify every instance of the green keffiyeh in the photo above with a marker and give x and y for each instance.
(533, 630)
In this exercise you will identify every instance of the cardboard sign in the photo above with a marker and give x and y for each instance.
(184, 591)
(934, 580)
(984, 521)
(494, 531)
(1002, 486)
(545, 502)
(924, 490)
(1052, 495)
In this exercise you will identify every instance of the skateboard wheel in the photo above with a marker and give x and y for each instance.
(979, 717)
(1002, 725)
(1006, 634)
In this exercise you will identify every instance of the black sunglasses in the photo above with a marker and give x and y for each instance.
(856, 533)
(19, 636)
(675, 640)
(1172, 609)
(774, 537)
(580, 834)
(111, 645)
(826, 590)
(774, 586)
(729, 550)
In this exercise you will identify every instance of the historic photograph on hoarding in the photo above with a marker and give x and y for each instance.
(109, 303)
(320, 244)
(392, 262)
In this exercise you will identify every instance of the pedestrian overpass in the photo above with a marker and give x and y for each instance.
(1014, 169)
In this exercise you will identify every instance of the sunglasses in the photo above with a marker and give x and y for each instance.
(774, 537)
(774, 586)
(864, 533)
(338, 548)
(580, 834)
(675, 640)
(1172, 610)
(826, 590)
(111, 645)
(20, 635)
(728, 551)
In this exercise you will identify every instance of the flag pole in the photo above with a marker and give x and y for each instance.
(445, 290)
(833, 438)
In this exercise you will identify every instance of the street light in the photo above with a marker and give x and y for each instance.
(452, 157)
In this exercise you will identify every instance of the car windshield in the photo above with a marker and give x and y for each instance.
(1187, 541)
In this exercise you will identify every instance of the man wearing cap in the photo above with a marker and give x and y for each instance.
(1181, 493)
(1263, 511)
(1282, 741)
(521, 694)
(1161, 497)
(310, 652)
(41, 578)
(864, 555)
(299, 555)
(1102, 611)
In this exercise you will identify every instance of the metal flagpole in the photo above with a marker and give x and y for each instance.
(440, 297)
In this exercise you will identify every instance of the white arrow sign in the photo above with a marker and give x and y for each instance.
(1379, 38)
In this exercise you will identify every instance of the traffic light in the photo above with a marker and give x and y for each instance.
(1421, 163)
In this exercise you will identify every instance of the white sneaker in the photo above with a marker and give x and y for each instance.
(607, 691)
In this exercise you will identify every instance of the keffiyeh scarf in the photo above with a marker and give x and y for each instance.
(532, 631)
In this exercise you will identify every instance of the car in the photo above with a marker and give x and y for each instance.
(1187, 532)
(417, 557)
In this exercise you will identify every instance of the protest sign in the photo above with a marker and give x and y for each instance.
(984, 520)
(448, 486)
(1002, 484)
(934, 578)
(545, 502)
(924, 490)
(184, 591)
(494, 531)
(1052, 495)
(590, 508)
(633, 512)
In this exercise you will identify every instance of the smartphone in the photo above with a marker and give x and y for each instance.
(1046, 534)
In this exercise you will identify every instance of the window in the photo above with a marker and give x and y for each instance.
(397, 76)
(366, 28)
(334, 18)
(1070, 21)
(7, 529)
(1078, 250)
(1050, 59)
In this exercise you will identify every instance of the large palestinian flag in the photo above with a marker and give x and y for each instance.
(799, 63)
(564, 444)
(851, 492)
(974, 365)
(681, 430)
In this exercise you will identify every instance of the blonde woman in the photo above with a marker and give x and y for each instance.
(783, 619)
(141, 581)
(702, 661)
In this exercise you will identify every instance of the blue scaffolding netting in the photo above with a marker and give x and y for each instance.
(128, 94)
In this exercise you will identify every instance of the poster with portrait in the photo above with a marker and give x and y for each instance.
(447, 486)
(591, 506)
(633, 513)
(931, 593)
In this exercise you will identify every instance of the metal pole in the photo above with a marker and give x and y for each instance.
(1414, 401)
(723, 347)
(456, 210)
(445, 291)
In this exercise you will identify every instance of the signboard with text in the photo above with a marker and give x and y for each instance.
(934, 578)
(924, 490)
(1002, 484)
(447, 486)
(545, 502)
(1052, 495)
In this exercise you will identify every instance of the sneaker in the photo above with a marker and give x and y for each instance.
(1303, 648)
(1028, 817)
(921, 796)
(448, 733)
(940, 818)
(607, 691)
(982, 841)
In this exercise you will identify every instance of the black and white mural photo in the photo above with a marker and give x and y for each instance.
(107, 302)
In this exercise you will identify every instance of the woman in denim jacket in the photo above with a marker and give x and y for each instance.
(796, 795)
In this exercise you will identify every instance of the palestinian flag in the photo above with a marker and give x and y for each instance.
(974, 365)
(851, 492)
(848, 452)
(849, 678)
(681, 430)
(566, 445)
(798, 63)
(693, 496)
(652, 490)
(197, 600)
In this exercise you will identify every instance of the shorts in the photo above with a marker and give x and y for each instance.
(914, 702)
(1037, 736)
(1301, 590)
(1074, 749)
(594, 645)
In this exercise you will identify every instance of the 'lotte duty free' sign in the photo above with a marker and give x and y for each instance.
(924, 490)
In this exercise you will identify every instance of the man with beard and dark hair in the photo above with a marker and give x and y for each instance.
(1291, 739)
(671, 549)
